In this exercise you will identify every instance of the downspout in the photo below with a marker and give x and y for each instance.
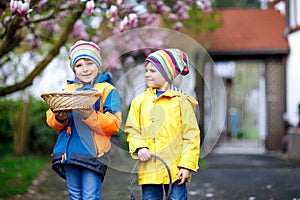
(287, 18)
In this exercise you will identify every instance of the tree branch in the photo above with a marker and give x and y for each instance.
(52, 53)
(11, 38)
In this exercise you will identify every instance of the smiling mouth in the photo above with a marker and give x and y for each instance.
(149, 82)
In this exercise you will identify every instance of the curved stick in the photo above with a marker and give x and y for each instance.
(135, 167)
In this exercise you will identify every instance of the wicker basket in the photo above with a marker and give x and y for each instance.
(70, 100)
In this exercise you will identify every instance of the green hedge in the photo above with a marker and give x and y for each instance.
(41, 137)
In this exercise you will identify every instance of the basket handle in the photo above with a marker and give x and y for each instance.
(135, 167)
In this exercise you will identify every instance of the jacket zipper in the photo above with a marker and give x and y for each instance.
(64, 156)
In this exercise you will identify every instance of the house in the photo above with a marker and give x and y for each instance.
(257, 37)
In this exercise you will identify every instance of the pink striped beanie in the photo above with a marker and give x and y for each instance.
(85, 49)
(170, 63)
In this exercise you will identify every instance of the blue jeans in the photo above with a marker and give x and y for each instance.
(83, 184)
(155, 192)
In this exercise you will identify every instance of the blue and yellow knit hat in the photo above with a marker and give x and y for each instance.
(85, 49)
(170, 63)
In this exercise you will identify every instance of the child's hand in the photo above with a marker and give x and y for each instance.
(183, 175)
(144, 154)
(85, 113)
(61, 116)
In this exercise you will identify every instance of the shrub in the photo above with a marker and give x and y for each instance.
(41, 137)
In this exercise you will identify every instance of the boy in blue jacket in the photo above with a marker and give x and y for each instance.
(80, 154)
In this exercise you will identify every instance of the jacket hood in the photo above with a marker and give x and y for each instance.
(176, 92)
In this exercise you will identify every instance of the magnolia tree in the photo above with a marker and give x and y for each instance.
(38, 29)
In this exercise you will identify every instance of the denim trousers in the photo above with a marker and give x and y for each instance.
(156, 192)
(83, 184)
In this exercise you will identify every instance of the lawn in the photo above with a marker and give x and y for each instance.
(17, 174)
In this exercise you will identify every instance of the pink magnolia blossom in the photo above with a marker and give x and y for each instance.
(50, 25)
(79, 30)
(22, 8)
(165, 9)
(69, 3)
(178, 6)
(13, 6)
(95, 39)
(188, 2)
(149, 18)
(129, 60)
(133, 19)
(173, 17)
(62, 15)
(113, 11)
(42, 4)
(159, 3)
(147, 51)
(33, 41)
(119, 2)
(121, 26)
(178, 26)
(90, 7)
(23, 20)
(113, 21)
(125, 21)
(205, 4)
(183, 16)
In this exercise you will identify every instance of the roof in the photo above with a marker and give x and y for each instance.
(248, 32)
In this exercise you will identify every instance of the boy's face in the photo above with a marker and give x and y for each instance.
(86, 70)
(153, 77)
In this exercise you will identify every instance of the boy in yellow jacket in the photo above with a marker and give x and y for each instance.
(162, 121)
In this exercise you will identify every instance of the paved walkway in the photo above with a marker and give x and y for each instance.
(235, 146)
(223, 176)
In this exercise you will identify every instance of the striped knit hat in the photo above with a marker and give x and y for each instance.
(170, 63)
(85, 49)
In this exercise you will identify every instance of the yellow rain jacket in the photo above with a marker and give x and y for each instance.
(168, 127)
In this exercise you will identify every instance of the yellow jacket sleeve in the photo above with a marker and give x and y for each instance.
(133, 130)
(191, 137)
